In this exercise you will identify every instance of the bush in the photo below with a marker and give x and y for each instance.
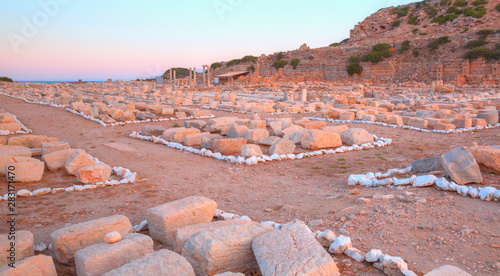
(498, 8)
(353, 59)
(336, 44)
(374, 57)
(416, 53)
(381, 47)
(215, 65)
(295, 62)
(422, 34)
(354, 68)
(280, 64)
(475, 44)
(444, 2)
(415, 31)
(443, 19)
(485, 33)
(6, 79)
(405, 46)
(396, 24)
(179, 72)
(479, 2)
(401, 11)
(279, 56)
(454, 9)
(251, 68)
(461, 3)
(485, 53)
(476, 12)
(438, 42)
(413, 20)
(464, 31)
(249, 58)
(431, 12)
(233, 62)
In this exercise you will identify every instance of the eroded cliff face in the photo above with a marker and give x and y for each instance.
(419, 24)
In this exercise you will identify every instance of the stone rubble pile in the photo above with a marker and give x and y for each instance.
(10, 125)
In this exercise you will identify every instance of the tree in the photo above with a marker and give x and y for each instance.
(215, 65)
(354, 68)
(280, 64)
(295, 62)
(6, 79)
(279, 56)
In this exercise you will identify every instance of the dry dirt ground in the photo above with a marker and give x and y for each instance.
(446, 229)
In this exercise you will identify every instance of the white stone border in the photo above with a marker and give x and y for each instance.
(254, 160)
(102, 123)
(24, 129)
(251, 113)
(458, 130)
(384, 179)
(461, 101)
(126, 175)
(34, 102)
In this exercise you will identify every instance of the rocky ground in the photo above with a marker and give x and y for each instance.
(427, 227)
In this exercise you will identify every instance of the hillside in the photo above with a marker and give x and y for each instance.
(454, 40)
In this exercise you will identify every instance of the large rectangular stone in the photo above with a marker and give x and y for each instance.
(193, 140)
(224, 249)
(56, 160)
(427, 165)
(30, 171)
(100, 258)
(293, 250)
(163, 219)
(162, 262)
(12, 127)
(39, 265)
(461, 166)
(50, 147)
(67, 241)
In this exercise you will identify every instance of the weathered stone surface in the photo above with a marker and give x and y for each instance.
(193, 140)
(418, 123)
(23, 140)
(336, 129)
(256, 135)
(23, 246)
(160, 263)
(315, 125)
(461, 166)
(462, 123)
(152, 130)
(251, 150)
(228, 248)
(207, 141)
(39, 265)
(269, 141)
(163, 219)
(229, 146)
(29, 171)
(427, 165)
(50, 147)
(38, 140)
(181, 235)
(320, 139)
(94, 174)
(292, 251)
(291, 130)
(5, 159)
(488, 158)
(356, 136)
(56, 160)
(12, 127)
(490, 117)
(254, 124)
(67, 241)
(198, 124)
(78, 160)
(97, 259)
(447, 270)
(179, 134)
(283, 146)
(15, 151)
(113, 237)
(237, 131)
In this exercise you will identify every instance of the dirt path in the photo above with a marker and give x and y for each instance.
(427, 234)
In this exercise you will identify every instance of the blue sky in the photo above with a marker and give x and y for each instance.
(96, 40)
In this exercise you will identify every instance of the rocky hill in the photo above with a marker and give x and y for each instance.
(453, 40)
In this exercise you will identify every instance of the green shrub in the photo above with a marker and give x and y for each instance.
(464, 31)
(485, 33)
(415, 31)
(336, 44)
(485, 53)
(454, 9)
(405, 46)
(416, 53)
(413, 19)
(6, 79)
(249, 58)
(438, 42)
(443, 19)
(251, 68)
(498, 8)
(475, 44)
(374, 57)
(233, 62)
(401, 12)
(479, 2)
(422, 34)
(280, 64)
(215, 65)
(431, 12)
(461, 3)
(295, 62)
(476, 12)
(444, 2)
(381, 47)
(279, 56)
(396, 24)
(353, 59)
(354, 68)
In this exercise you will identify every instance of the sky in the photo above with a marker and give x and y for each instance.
(67, 40)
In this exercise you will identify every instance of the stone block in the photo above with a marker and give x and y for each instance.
(356, 136)
(461, 166)
(23, 246)
(229, 146)
(39, 265)
(320, 139)
(50, 147)
(56, 160)
(78, 160)
(94, 174)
